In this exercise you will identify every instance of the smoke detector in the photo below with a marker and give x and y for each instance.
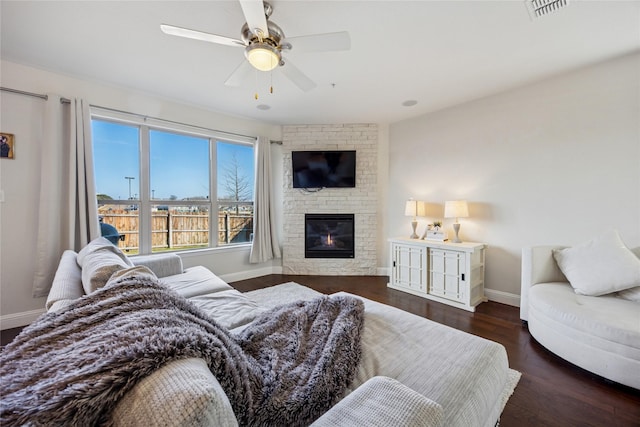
(540, 8)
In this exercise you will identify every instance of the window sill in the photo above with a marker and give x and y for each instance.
(241, 247)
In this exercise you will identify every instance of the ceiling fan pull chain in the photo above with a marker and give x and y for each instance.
(255, 74)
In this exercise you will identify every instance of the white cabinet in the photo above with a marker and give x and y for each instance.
(451, 273)
(410, 267)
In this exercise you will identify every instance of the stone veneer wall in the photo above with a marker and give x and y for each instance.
(361, 200)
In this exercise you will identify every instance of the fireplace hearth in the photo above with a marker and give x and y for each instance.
(329, 236)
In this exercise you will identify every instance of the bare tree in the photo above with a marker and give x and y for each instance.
(235, 182)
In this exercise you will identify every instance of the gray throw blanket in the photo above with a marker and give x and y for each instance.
(287, 368)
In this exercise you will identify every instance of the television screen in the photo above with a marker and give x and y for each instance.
(324, 169)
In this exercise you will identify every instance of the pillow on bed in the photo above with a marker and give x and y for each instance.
(99, 260)
(600, 266)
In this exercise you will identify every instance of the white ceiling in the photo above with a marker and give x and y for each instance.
(439, 53)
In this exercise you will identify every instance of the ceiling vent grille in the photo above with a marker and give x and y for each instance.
(539, 8)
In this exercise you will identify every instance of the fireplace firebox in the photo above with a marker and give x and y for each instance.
(329, 235)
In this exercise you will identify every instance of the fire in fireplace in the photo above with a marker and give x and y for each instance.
(328, 236)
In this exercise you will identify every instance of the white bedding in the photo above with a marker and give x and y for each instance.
(464, 373)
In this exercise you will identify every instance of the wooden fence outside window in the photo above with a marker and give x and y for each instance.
(172, 230)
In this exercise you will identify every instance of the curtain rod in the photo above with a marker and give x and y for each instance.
(145, 117)
(67, 101)
(35, 95)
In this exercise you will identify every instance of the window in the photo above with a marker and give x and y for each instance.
(169, 188)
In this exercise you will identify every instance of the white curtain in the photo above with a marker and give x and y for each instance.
(68, 210)
(265, 240)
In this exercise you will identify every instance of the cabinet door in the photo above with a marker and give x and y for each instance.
(445, 274)
(409, 267)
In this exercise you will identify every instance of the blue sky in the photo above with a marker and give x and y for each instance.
(179, 163)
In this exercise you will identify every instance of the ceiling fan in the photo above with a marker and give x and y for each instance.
(264, 42)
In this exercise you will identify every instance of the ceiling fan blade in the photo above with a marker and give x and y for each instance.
(199, 35)
(297, 76)
(240, 75)
(320, 42)
(254, 14)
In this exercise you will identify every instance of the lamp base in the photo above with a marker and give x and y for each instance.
(414, 224)
(456, 228)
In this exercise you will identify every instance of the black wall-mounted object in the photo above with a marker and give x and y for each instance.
(324, 169)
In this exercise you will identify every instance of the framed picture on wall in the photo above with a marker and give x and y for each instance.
(7, 146)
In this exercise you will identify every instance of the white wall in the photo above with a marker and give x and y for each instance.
(383, 199)
(19, 178)
(552, 162)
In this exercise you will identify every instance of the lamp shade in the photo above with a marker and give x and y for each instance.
(415, 208)
(411, 208)
(456, 209)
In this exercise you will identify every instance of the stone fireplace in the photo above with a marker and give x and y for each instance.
(360, 202)
(329, 236)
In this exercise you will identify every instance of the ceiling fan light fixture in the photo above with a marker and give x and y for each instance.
(263, 56)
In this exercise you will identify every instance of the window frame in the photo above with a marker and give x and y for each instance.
(145, 125)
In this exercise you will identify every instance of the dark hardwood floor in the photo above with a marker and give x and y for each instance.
(551, 392)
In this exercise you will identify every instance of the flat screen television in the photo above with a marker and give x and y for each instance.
(324, 169)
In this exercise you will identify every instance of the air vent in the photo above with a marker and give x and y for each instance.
(539, 8)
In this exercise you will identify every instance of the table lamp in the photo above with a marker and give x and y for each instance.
(414, 208)
(456, 209)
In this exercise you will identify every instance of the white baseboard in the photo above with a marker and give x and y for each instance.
(493, 295)
(383, 271)
(503, 297)
(250, 274)
(16, 320)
